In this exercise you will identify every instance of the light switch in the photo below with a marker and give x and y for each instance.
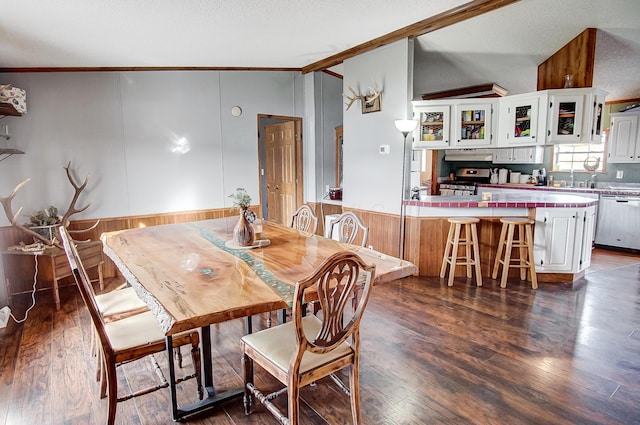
(384, 150)
(619, 174)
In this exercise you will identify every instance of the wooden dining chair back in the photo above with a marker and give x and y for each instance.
(128, 339)
(310, 347)
(304, 219)
(349, 227)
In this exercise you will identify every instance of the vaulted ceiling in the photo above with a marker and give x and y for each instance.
(311, 34)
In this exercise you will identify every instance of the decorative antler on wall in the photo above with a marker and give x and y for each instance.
(13, 218)
(372, 94)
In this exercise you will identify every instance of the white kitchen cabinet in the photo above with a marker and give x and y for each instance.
(472, 125)
(434, 124)
(563, 239)
(575, 115)
(588, 237)
(454, 123)
(529, 155)
(624, 138)
(522, 120)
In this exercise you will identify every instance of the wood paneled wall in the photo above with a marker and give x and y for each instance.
(576, 58)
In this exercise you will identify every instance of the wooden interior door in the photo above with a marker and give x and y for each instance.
(280, 171)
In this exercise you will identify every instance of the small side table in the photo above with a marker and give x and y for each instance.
(53, 264)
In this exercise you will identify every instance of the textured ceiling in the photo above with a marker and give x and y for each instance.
(296, 33)
(530, 31)
(198, 33)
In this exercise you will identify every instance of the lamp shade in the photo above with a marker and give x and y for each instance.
(406, 126)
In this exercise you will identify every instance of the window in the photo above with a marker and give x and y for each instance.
(573, 157)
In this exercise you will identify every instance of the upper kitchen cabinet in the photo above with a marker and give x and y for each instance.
(624, 138)
(522, 120)
(575, 115)
(454, 123)
(472, 125)
(433, 130)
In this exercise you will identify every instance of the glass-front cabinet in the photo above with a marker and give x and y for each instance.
(472, 125)
(575, 115)
(566, 118)
(545, 117)
(434, 126)
(522, 123)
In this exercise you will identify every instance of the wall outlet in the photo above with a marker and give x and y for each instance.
(619, 174)
(384, 149)
(5, 312)
(326, 189)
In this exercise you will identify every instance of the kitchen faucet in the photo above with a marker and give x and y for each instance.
(571, 179)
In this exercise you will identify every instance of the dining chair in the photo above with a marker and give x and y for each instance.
(350, 226)
(114, 305)
(128, 339)
(310, 347)
(304, 219)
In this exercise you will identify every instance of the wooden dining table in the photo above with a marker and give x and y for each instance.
(192, 275)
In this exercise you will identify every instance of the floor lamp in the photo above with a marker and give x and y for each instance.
(405, 127)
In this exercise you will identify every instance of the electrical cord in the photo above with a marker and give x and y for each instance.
(33, 295)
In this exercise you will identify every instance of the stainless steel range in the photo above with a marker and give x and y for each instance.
(465, 183)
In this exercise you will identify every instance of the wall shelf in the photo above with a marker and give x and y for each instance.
(9, 151)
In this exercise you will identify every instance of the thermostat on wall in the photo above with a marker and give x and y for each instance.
(384, 150)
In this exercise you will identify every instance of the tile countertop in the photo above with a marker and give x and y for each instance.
(600, 189)
(526, 199)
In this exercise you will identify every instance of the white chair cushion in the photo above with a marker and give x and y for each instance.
(133, 331)
(119, 301)
(279, 343)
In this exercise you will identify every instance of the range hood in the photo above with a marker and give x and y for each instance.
(468, 155)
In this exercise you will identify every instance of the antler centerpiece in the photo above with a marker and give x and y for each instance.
(64, 221)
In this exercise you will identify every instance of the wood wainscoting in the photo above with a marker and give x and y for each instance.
(384, 228)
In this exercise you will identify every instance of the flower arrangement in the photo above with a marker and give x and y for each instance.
(241, 199)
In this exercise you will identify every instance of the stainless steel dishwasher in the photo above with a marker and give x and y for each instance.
(619, 221)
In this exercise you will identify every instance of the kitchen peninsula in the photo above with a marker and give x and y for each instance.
(563, 230)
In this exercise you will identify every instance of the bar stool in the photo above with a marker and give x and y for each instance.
(525, 245)
(454, 241)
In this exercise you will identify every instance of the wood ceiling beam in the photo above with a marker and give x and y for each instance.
(444, 19)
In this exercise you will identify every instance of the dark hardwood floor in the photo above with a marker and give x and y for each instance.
(562, 354)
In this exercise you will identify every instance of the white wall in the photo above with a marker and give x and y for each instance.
(120, 127)
(436, 72)
(372, 181)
